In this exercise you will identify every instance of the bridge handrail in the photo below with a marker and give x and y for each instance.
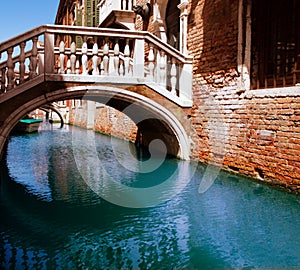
(15, 41)
(78, 30)
(147, 56)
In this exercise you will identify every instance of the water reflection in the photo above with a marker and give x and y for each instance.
(28, 159)
(53, 220)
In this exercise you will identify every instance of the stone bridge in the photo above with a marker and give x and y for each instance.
(131, 71)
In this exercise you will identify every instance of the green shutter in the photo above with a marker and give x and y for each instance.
(89, 14)
(79, 23)
(96, 14)
(79, 17)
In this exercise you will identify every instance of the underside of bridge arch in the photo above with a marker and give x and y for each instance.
(153, 120)
(151, 126)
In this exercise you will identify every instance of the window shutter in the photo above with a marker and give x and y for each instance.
(79, 23)
(79, 17)
(96, 14)
(89, 13)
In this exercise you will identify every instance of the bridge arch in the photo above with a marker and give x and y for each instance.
(153, 120)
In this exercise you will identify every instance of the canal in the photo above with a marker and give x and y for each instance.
(65, 206)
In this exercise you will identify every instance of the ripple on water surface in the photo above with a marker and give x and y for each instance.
(53, 219)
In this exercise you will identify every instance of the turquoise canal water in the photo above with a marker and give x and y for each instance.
(53, 215)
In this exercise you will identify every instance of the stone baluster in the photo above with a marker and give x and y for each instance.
(62, 57)
(116, 58)
(151, 59)
(41, 59)
(162, 69)
(57, 67)
(106, 58)
(84, 58)
(34, 58)
(73, 57)
(173, 74)
(121, 69)
(1, 75)
(101, 68)
(95, 59)
(157, 77)
(77, 67)
(22, 62)
(127, 58)
(124, 5)
(69, 67)
(3, 79)
(10, 70)
(1, 86)
(111, 65)
(129, 5)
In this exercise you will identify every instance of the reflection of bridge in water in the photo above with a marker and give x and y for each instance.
(131, 71)
(56, 108)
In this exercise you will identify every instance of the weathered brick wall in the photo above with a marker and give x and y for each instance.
(107, 120)
(212, 36)
(267, 141)
(253, 133)
(212, 41)
(112, 122)
(256, 134)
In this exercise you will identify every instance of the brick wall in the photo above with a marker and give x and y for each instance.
(112, 122)
(256, 133)
(267, 142)
(105, 120)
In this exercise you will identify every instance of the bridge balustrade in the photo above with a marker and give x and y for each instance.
(85, 51)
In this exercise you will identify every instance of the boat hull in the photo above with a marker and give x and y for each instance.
(28, 125)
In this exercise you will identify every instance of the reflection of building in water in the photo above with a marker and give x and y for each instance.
(34, 157)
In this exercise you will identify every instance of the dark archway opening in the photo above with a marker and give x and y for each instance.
(173, 23)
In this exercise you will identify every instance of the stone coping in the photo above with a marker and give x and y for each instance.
(293, 91)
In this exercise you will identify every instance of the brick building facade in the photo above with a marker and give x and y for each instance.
(246, 99)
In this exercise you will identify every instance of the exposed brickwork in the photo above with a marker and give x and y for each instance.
(267, 141)
(107, 120)
(257, 136)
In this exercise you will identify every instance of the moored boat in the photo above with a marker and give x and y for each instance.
(28, 125)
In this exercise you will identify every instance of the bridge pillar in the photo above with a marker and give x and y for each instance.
(48, 59)
(139, 58)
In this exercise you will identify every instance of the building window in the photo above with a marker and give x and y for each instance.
(275, 43)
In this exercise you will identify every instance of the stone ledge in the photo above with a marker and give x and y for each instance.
(182, 102)
(293, 91)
